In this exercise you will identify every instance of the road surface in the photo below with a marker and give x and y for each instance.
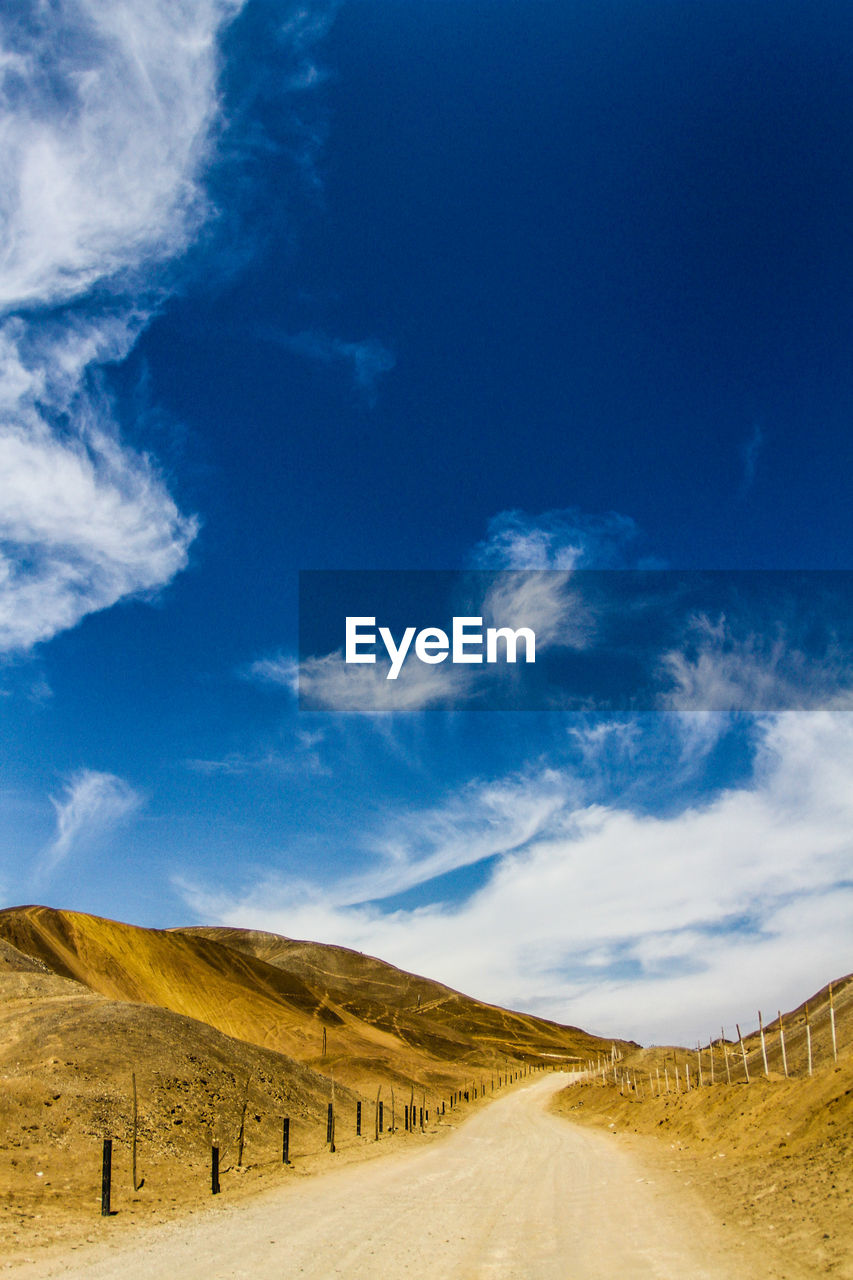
(515, 1193)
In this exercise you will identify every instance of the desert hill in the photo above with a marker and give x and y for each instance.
(283, 995)
(771, 1156)
(221, 1034)
(424, 1015)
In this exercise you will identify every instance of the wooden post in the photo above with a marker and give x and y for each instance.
(711, 1052)
(285, 1140)
(699, 1064)
(381, 1117)
(242, 1134)
(677, 1082)
(406, 1118)
(743, 1052)
(106, 1177)
(324, 1042)
(214, 1171)
(763, 1043)
(332, 1142)
(666, 1076)
(809, 1038)
(376, 1115)
(358, 1119)
(782, 1044)
(687, 1074)
(657, 1073)
(393, 1113)
(330, 1111)
(726, 1054)
(134, 1136)
(832, 1025)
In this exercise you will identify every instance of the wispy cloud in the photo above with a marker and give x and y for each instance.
(109, 121)
(562, 539)
(550, 547)
(368, 358)
(656, 927)
(725, 668)
(328, 683)
(91, 804)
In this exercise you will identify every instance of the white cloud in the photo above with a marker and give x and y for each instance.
(564, 539)
(328, 683)
(108, 108)
(719, 672)
(92, 803)
(656, 927)
(368, 358)
(109, 118)
(549, 547)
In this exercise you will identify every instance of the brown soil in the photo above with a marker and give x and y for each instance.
(772, 1158)
(87, 1004)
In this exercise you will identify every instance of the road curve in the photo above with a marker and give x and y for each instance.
(515, 1193)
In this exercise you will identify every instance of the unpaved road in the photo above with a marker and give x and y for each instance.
(513, 1194)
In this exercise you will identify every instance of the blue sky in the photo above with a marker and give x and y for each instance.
(427, 286)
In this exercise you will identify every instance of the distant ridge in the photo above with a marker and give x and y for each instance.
(282, 994)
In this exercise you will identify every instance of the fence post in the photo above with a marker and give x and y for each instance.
(832, 1024)
(809, 1038)
(726, 1054)
(242, 1134)
(782, 1045)
(743, 1052)
(285, 1140)
(358, 1119)
(763, 1045)
(214, 1171)
(106, 1177)
(135, 1131)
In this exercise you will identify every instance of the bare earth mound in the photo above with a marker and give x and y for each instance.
(773, 1157)
(223, 1032)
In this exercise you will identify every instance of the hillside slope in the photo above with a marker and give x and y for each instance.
(284, 995)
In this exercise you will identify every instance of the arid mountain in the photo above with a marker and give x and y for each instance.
(375, 1022)
(220, 1034)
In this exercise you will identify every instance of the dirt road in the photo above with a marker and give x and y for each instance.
(515, 1193)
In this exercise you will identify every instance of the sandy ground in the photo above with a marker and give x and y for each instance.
(515, 1193)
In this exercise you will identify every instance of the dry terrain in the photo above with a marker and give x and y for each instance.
(773, 1157)
(515, 1193)
(223, 1033)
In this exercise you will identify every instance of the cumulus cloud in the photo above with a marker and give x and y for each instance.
(92, 804)
(109, 114)
(657, 927)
